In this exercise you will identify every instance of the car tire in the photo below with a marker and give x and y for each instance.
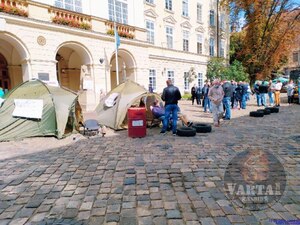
(273, 109)
(256, 114)
(186, 132)
(202, 127)
(265, 111)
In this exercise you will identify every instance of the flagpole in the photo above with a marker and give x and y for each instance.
(115, 30)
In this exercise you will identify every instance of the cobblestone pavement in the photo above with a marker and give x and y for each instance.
(152, 180)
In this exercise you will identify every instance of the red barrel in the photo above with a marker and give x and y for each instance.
(136, 118)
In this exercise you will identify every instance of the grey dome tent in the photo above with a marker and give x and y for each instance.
(61, 112)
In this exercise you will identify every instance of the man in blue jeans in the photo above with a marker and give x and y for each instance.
(170, 96)
(228, 93)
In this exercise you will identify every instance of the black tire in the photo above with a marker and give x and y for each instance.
(186, 132)
(202, 127)
(276, 110)
(265, 111)
(256, 114)
(273, 109)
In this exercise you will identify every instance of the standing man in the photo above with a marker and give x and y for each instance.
(193, 93)
(206, 101)
(216, 95)
(198, 95)
(270, 93)
(228, 92)
(170, 96)
(278, 87)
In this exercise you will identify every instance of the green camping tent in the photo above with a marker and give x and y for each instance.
(58, 107)
(112, 109)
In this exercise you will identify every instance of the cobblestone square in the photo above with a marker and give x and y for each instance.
(153, 180)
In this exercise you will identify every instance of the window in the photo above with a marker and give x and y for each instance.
(211, 46)
(152, 79)
(222, 22)
(199, 12)
(200, 80)
(186, 81)
(171, 76)
(295, 56)
(186, 35)
(222, 48)
(199, 44)
(185, 8)
(72, 5)
(168, 4)
(169, 32)
(212, 18)
(150, 31)
(121, 11)
(150, 1)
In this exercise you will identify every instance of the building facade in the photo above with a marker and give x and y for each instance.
(72, 43)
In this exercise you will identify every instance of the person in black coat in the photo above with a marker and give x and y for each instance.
(193, 93)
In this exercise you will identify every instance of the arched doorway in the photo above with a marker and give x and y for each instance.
(73, 65)
(126, 65)
(4, 76)
(14, 61)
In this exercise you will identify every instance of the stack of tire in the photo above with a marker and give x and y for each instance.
(196, 128)
(263, 112)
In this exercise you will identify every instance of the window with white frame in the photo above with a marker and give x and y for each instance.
(222, 21)
(200, 80)
(186, 81)
(185, 7)
(72, 5)
(211, 46)
(222, 48)
(199, 12)
(168, 4)
(121, 11)
(150, 31)
(199, 43)
(150, 1)
(212, 18)
(152, 79)
(169, 34)
(171, 76)
(186, 35)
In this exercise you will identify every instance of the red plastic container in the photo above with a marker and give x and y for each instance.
(136, 118)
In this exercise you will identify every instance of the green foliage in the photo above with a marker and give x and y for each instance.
(216, 68)
(236, 72)
(187, 96)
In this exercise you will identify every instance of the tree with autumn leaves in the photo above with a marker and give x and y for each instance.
(269, 31)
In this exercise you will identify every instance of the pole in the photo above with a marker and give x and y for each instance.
(115, 30)
(218, 38)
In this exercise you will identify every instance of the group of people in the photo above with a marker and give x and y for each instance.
(219, 98)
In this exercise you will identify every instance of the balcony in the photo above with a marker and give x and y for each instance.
(123, 30)
(14, 7)
(68, 18)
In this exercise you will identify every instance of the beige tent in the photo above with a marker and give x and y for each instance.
(112, 110)
(59, 108)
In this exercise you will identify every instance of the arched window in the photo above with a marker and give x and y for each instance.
(72, 5)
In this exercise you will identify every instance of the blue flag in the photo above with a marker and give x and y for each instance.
(117, 39)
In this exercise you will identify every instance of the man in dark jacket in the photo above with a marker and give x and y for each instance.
(228, 92)
(170, 96)
(193, 93)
